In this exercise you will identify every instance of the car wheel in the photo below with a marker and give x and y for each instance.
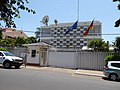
(17, 67)
(7, 65)
(113, 77)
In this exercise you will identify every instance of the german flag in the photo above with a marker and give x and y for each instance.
(89, 28)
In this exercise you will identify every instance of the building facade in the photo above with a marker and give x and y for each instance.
(55, 34)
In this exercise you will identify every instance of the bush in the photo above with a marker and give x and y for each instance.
(112, 58)
(3, 49)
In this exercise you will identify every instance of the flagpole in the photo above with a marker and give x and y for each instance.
(78, 10)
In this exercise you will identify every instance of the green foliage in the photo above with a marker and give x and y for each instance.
(112, 58)
(7, 42)
(10, 9)
(20, 40)
(12, 42)
(98, 45)
(117, 42)
(115, 0)
(3, 49)
(31, 40)
(117, 23)
(1, 35)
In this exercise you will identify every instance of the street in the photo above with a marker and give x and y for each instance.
(34, 79)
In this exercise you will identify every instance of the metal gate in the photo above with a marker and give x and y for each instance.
(43, 57)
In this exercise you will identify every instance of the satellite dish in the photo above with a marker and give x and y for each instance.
(56, 21)
(45, 20)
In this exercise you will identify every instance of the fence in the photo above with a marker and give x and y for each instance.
(61, 59)
(78, 59)
(20, 52)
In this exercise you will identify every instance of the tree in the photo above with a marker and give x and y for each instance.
(31, 40)
(117, 42)
(7, 42)
(1, 35)
(117, 23)
(38, 33)
(20, 41)
(98, 45)
(10, 9)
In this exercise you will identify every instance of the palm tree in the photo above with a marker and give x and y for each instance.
(117, 42)
(38, 33)
(98, 45)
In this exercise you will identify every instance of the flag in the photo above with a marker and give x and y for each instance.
(89, 28)
(74, 26)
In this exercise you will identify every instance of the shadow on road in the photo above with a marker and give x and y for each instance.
(1, 67)
(107, 79)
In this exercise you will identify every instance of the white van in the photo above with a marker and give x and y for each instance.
(7, 59)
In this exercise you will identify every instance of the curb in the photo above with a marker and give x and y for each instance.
(62, 70)
(78, 72)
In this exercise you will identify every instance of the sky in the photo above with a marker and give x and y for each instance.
(65, 11)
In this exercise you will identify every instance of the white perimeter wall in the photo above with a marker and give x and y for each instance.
(62, 59)
(80, 59)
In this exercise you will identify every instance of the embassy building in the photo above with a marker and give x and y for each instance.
(55, 35)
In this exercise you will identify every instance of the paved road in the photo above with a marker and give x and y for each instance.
(33, 79)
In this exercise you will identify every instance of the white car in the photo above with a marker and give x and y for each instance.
(112, 70)
(7, 59)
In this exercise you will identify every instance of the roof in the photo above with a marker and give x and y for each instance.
(15, 34)
(38, 44)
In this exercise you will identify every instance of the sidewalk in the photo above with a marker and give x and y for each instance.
(70, 71)
(52, 69)
(89, 73)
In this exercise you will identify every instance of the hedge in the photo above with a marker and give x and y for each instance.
(112, 58)
(3, 49)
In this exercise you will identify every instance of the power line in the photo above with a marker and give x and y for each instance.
(89, 34)
(29, 31)
(111, 34)
(105, 34)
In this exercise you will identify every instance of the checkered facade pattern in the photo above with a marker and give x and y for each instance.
(55, 34)
(74, 39)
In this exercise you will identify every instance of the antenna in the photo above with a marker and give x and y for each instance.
(45, 20)
(56, 21)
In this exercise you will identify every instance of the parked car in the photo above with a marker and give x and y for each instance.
(112, 70)
(8, 59)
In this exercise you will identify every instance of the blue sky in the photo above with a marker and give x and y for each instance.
(104, 11)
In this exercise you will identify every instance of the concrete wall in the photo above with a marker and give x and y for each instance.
(62, 59)
(79, 59)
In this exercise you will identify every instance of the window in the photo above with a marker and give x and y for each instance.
(115, 65)
(8, 54)
(85, 44)
(61, 28)
(54, 41)
(74, 41)
(106, 63)
(61, 32)
(1, 54)
(55, 32)
(33, 53)
(71, 44)
(78, 44)
(61, 41)
(55, 28)
(71, 34)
